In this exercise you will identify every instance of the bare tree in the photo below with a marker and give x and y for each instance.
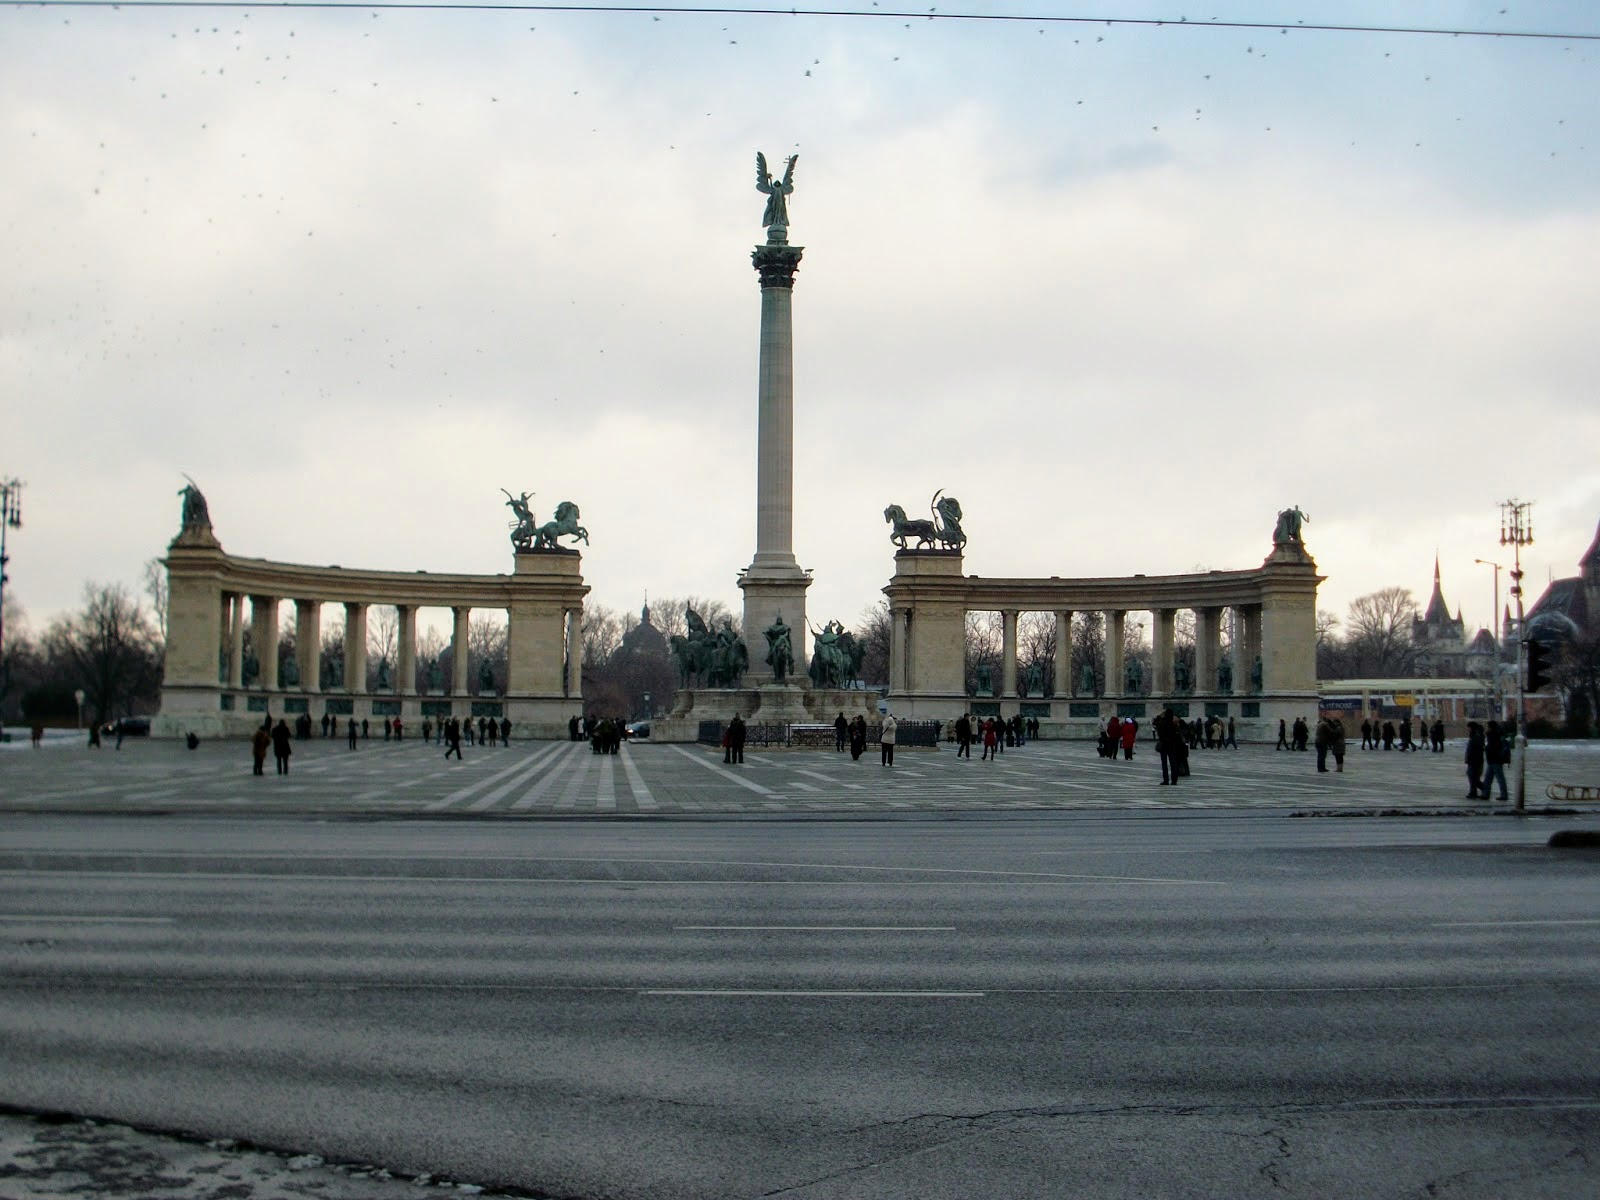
(872, 635)
(667, 614)
(109, 648)
(1036, 647)
(983, 636)
(383, 637)
(1577, 675)
(486, 643)
(1331, 656)
(155, 586)
(602, 634)
(330, 662)
(1379, 639)
(1089, 652)
(431, 646)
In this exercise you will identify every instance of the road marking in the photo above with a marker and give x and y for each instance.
(544, 785)
(834, 928)
(463, 793)
(641, 793)
(827, 995)
(540, 759)
(168, 877)
(569, 798)
(606, 797)
(731, 776)
(57, 920)
(1552, 920)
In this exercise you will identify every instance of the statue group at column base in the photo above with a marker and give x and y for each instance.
(788, 703)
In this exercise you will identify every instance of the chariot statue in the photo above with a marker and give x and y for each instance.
(524, 529)
(943, 532)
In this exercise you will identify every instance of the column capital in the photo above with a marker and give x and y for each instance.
(776, 264)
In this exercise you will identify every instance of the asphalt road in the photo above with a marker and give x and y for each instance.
(1002, 1006)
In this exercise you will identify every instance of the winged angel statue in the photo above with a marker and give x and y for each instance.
(777, 213)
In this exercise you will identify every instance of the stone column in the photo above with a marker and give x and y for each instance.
(1008, 654)
(264, 636)
(774, 582)
(1063, 657)
(236, 642)
(459, 679)
(897, 650)
(1207, 648)
(308, 643)
(1115, 625)
(574, 681)
(1236, 652)
(355, 648)
(1252, 640)
(1163, 647)
(406, 681)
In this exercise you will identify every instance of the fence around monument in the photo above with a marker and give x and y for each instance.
(818, 737)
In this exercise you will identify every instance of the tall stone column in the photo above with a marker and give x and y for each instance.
(308, 643)
(1163, 636)
(406, 683)
(355, 648)
(1116, 622)
(774, 582)
(897, 650)
(459, 651)
(1063, 657)
(1236, 653)
(264, 635)
(1207, 648)
(1008, 654)
(236, 642)
(574, 680)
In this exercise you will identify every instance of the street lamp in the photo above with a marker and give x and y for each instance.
(10, 518)
(1499, 632)
(78, 696)
(647, 710)
(1516, 531)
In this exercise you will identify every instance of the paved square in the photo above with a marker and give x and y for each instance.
(566, 779)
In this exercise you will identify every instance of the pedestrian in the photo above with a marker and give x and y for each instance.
(1336, 742)
(333, 726)
(494, 731)
(1388, 735)
(1436, 734)
(989, 739)
(858, 737)
(351, 726)
(399, 730)
(841, 728)
(1367, 742)
(1283, 734)
(736, 737)
(1233, 737)
(1130, 734)
(1324, 735)
(324, 724)
(505, 731)
(1496, 754)
(281, 749)
(36, 735)
(964, 736)
(388, 731)
(483, 731)
(467, 729)
(452, 739)
(1113, 736)
(1474, 761)
(427, 730)
(1405, 734)
(1169, 745)
(260, 743)
(363, 729)
(117, 729)
(886, 739)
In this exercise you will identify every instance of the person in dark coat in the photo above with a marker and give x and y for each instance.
(505, 731)
(1474, 760)
(736, 736)
(963, 736)
(281, 749)
(1388, 735)
(452, 738)
(1283, 735)
(260, 743)
(1496, 754)
(858, 737)
(841, 730)
(1324, 735)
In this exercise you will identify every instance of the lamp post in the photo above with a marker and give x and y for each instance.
(78, 696)
(1494, 619)
(647, 712)
(1516, 531)
(10, 518)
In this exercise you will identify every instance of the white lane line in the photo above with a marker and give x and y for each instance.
(1552, 920)
(826, 995)
(641, 793)
(530, 767)
(606, 800)
(462, 793)
(569, 798)
(732, 776)
(257, 876)
(803, 787)
(833, 928)
(80, 920)
(559, 768)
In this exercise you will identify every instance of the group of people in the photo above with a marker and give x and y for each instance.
(1374, 732)
(852, 732)
(1118, 733)
(604, 734)
(1488, 755)
(1330, 741)
(995, 734)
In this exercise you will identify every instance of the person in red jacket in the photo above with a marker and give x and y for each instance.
(1113, 736)
(1130, 732)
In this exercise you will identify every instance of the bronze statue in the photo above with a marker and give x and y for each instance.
(485, 679)
(729, 658)
(1180, 676)
(776, 215)
(832, 662)
(1086, 679)
(195, 514)
(383, 674)
(1225, 675)
(564, 525)
(780, 649)
(1133, 676)
(524, 530)
(985, 679)
(944, 529)
(1255, 674)
(1287, 532)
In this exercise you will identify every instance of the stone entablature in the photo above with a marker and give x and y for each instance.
(204, 688)
(1272, 607)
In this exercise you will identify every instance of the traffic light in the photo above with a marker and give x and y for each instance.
(1541, 665)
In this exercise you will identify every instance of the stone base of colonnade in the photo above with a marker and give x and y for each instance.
(1255, 716)
(219, 712)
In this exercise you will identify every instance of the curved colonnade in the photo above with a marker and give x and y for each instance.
(1273, 612)
(204, 689)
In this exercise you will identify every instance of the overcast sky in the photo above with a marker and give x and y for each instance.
(1124, 291)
